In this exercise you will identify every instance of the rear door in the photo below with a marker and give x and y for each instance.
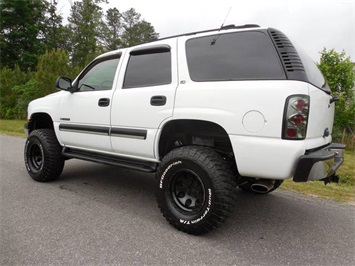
(144, 98)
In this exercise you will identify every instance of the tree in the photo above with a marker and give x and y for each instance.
(126, 29)
(25, 94)
(340, 75)
(20, 26)
(8, 100)
(136, 30)
(55, 34)
(85, 22)
(51, 65)
(113, 29)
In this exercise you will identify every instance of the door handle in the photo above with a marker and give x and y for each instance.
(158, 100)
(103, 102)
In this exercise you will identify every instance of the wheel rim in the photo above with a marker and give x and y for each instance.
(36, 157)
(187, 191)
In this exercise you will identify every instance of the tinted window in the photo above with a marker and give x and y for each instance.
(99, 77)
(233, 56)
(313, 73)
(150, 68)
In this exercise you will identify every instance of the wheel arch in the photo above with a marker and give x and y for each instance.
(40, 121)
(182, 132)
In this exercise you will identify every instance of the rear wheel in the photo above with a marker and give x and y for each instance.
(43, 158)
(195, 189)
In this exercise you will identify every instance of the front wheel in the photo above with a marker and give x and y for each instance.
(195, 189)
(43, 158)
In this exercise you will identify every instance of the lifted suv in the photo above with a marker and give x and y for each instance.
(210, 111)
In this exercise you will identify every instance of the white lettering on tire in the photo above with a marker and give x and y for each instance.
(166, 170)
(26, 156)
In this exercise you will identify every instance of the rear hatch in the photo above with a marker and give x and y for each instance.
(322, 105)
(299, 66)
(321, 118)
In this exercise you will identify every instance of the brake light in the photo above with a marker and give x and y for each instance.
(296, 117)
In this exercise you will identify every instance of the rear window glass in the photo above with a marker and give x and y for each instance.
(313, 73)
(148, 69)
(234, 56)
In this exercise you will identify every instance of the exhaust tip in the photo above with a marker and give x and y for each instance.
(263, 186)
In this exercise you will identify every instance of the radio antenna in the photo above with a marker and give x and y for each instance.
(224, 21)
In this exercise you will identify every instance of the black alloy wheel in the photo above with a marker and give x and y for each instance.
(187, 191)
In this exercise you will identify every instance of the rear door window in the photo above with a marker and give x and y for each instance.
(148, 67)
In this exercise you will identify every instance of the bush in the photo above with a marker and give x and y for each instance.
(339, 72)
(26, 93)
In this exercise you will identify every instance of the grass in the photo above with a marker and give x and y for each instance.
(344, 191)
(12, 127)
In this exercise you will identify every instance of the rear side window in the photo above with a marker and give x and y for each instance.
(313, 73)
(149, 67)
(235, 56)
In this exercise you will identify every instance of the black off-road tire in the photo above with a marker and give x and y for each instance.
(43, 155)
(195, 189)
(247, 187)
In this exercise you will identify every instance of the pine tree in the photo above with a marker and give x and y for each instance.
(85, 22)
(136, 30)
(21, 24)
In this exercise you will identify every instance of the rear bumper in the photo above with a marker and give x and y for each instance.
(319, 164)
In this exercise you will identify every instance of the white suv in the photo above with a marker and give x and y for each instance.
(239, 106)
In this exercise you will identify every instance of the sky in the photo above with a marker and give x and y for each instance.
(313, 24)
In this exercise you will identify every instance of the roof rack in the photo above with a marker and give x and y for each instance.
(227, 27)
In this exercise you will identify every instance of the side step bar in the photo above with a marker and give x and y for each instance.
(139, 165)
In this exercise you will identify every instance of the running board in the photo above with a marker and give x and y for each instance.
(139, 165)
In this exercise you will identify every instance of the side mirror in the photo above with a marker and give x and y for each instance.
(63, 83)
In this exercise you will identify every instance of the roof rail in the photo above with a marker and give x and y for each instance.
(227, 27)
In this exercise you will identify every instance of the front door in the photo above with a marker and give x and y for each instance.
(85, 114)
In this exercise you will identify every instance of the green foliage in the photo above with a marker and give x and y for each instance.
(136, 30)
(18, 88)
(112, 30)
(339, 72)
(51, 65)
(8, 100)
(55, 34)
(85, 21)
(26, 93)
(20, 26)
(36, 48)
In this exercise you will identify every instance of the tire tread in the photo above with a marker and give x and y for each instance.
(222, 179)
(53, 161)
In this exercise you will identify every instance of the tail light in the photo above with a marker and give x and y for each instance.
(296, 117)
